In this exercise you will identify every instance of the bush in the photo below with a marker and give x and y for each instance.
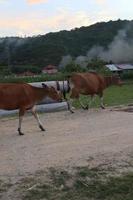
(16, 69)
(5, 71)
(72, 67)
(38, 78)
(98, 65)
(127, 75)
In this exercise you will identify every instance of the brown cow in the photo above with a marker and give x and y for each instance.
(89, 83)
(23, 96)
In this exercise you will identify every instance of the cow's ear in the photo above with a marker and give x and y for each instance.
(44, 85)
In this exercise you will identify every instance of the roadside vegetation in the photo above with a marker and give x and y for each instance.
(4, 187)
(37, 78)
(85, 184)
(80, 183)
(113, 96)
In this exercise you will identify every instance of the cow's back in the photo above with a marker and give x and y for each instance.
(14, 95)
(88, 83)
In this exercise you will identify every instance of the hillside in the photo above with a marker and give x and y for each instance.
(49, 49)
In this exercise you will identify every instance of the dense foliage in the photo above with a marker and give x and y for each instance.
(42, 50)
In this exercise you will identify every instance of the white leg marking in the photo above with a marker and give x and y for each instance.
(69, 104)
(33, 110)
(102, 104)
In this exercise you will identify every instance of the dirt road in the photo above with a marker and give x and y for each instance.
(95, 136)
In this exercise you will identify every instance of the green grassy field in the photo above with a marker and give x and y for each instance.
(80, 184)
(38, 78)
(112, 96)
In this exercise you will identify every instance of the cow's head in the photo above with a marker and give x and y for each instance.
(52, 92)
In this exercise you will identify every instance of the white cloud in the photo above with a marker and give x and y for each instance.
(102, 16)
(36, 1)
(101, 2)
(68, 20)
(3, 1)
(34, 23)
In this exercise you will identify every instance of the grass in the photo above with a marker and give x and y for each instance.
(83, 184)
(80, 183)
(112, 96)
(39, 78)
(4, 186)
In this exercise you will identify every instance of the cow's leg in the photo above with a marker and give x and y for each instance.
(69, 105)
(93, 97)
(90, 102)
(21, 114)
(82, 105)
(101, 101)
(86, 107)
(73, 95)
(33, 110)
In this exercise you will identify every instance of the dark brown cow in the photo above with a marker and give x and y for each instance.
(24, 97)
(89, 83)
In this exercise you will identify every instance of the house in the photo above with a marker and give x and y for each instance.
(119, 67)
(50, 69)
(112, 67)
(124, 67)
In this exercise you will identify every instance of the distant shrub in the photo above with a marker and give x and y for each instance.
(98, 66)
(72, 67)
(30, 79)
(17, 69)
(127, 75)
(5, 71)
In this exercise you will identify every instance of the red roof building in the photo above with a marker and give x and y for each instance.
(50, 69)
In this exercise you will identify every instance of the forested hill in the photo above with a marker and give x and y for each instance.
(49, 49)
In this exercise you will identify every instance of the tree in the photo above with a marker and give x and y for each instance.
(72, 67)
(5, 71)
(98, 65)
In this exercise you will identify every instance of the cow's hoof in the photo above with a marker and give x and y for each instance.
(72, 111)
(102, 107)
(20, 133)
(41, 127)
(85, 108)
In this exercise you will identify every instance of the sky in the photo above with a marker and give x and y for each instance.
(37, 17)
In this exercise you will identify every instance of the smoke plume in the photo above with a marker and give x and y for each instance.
(120, 49)
(65, 61)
